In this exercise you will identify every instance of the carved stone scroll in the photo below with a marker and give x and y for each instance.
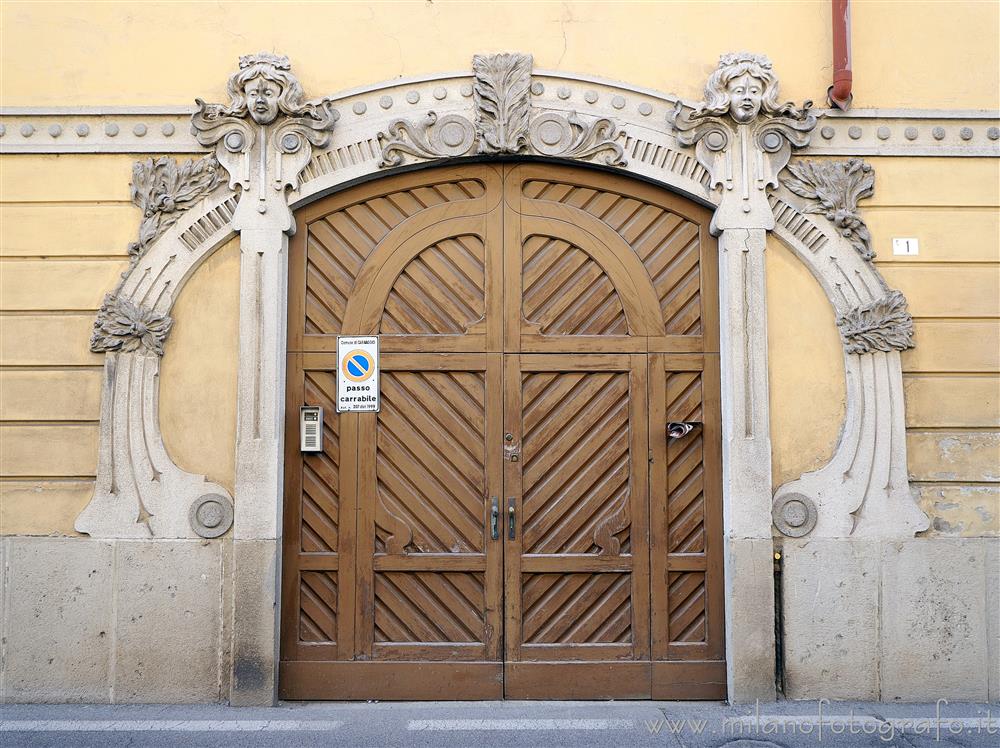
(568, 136)
(834, 187)
(445, 137)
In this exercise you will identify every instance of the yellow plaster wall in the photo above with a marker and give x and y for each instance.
(65, 220)
(917, 54)
(198, 371)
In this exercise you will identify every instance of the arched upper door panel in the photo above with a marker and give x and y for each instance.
(481, 257)
(579, 234)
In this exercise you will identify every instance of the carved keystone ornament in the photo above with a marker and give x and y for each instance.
(504, 123)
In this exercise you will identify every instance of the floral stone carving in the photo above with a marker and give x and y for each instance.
(127, 327)
(265, 135)
(834, 187)
(163, 189)
(743, 135)
(503, 123)
(882, 325)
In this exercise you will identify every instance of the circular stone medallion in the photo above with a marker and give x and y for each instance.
(794, 515)
(453, 135)
(550, 134)
(211, 515)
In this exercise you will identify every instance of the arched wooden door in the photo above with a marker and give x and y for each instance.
(515, 521)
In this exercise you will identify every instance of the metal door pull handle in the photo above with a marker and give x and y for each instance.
(680, 429)
(511, 524)
(495, 519)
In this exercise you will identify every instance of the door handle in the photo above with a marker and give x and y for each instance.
(511, 521)
(495, 519)
(680, 429)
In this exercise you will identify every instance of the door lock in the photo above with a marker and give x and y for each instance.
(680, 429)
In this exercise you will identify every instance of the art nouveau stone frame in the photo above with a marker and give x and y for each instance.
(703, 154)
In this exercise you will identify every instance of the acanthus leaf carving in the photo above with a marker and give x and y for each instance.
(834, 188)
(882, 325)
(163, 189)
(124, 326)
(502, 95)
(744, 136)
(264, 136)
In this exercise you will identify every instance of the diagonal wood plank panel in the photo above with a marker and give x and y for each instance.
(576, 458)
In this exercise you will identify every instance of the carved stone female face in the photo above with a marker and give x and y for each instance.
(262, 99)
(745, 94)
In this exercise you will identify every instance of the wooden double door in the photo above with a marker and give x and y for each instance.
(515, 521)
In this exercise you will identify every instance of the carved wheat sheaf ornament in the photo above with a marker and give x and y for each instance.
(883, 325)
(127, 327)
(502, 96)
(834, 188)
(502, 123)
(163, 189)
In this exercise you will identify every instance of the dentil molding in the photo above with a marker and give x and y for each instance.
(158, 130)
(282, 151)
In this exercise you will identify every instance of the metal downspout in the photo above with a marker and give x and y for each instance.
(839, 94)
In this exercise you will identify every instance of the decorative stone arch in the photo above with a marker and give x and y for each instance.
(281, 156)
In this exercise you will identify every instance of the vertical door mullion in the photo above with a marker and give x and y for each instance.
(640, 505)
(512, 490)
(494, 549)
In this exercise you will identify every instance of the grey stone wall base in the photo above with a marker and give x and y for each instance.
(907, 621)
(116, 621)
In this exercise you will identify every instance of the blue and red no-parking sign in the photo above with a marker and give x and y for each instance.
(357, 374)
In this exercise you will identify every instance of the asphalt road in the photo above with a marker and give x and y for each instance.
(479, 724)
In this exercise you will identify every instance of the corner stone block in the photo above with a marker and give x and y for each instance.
(830, 616)
(934, 624)
(255, 623)
(169, 621)
(993, 616)
(57, 620)
(750, 620)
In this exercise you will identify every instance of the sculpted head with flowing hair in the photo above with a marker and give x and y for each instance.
(743, 86)
(263, 88)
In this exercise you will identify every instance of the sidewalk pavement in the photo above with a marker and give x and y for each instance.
(509, 723)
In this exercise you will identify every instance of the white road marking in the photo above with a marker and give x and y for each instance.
(520, 724)
(167, 725)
